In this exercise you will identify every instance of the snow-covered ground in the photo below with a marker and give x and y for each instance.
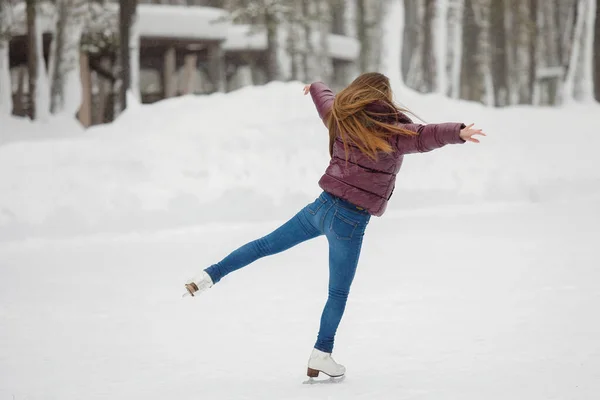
(504, 306)
(190, 160)
(481, 281)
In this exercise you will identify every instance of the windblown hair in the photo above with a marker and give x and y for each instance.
(364, 114)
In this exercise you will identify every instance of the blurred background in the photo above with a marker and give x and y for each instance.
(141, 142)
(82, 56)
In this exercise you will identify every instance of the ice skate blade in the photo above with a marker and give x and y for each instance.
(329, 380)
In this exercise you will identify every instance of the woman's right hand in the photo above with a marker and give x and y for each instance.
(467, 134)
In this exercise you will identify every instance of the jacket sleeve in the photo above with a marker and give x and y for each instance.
(323, 98)
(429, 137)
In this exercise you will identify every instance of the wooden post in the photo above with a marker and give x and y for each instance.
(104, 90)
(85, 111)
(18, 106)
(169, 78)
(216, 61)
(190, 71)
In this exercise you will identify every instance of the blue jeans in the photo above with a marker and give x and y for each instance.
(344, 226)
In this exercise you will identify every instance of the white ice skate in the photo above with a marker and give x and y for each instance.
(198, 285)
(320, 361)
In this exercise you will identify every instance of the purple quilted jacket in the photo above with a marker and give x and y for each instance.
(367, 183)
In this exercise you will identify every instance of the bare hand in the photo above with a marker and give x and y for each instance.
(306, 89)
(467, 134)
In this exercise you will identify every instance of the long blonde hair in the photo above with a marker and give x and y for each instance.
(364, 114)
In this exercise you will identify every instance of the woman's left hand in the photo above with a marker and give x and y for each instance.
(467, 134)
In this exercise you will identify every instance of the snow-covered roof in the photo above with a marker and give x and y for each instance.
(170, 21)
(247, 37)
(244, 37)
(343, 47)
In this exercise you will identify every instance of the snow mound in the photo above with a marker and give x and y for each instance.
(257, 154)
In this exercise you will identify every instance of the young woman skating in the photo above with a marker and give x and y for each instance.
(368, 138)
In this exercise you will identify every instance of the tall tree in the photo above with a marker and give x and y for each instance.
(64, 70)
(5, 84)
(272, 19)
(32, 60)
(361, 31)
(498, 47)
(127, 10)
(587, 57)
(427, 49)
(533, 43)
(575, 84)
(470, 75)
(455, 50)
(597, 52)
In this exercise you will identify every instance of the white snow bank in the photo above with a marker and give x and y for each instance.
(17, 129)
(258, 153)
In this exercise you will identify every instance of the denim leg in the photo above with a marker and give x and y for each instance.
(343, 261)
(295, 231)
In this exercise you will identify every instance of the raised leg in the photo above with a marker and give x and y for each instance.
(295, 231)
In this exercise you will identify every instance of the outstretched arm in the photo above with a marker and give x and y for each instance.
(433, 136)
(323, 97)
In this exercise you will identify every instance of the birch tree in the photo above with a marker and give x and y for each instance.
(413, 40)
(428, 64)
(6, 103)
(455, 48)
(597, 52)
(369, 14)
(498, 48)
(441, 46)
(393, 28)
(572, 88)
(587, 57)
(64, 72)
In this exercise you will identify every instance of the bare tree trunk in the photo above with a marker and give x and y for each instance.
(570, 87)
(361, 30)
(293, 44)
(586, 81)
(308, 54)
(324, 63)
(470, 77)
(272, 26)
(427, 55)
(411, 37)
(6, 103)
(416, 36)
(64, 68)
(455, 32)
(441, 42)
(482, 14)
(32, 61)
(127, 9)
(597, 52)
(533, 43)
(498, 47)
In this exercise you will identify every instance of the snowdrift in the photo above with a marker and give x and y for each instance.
(258, 153)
